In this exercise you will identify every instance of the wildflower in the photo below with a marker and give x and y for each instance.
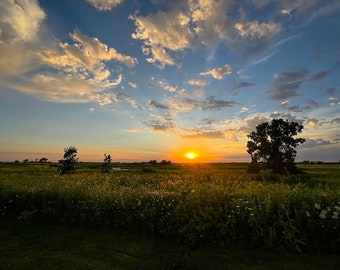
(337, 208)
(307, 214)
(323, 214)
(317, 206)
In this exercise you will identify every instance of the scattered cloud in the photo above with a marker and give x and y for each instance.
(199, 134)
(257, 35)
(133, 130)
(219, 73)
(326, 10)
(311, 143)
(243, 85)
(133, 85)
(86, 54)
(286, 84)
(104, 5)
(330, 90)
(164, 85)
(166, 126)
(310, 104)
(187, 24)
(210, 103)
(319, 76)
(157, 105)
(196, 82)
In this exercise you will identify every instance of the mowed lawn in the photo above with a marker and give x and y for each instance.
(64, 222)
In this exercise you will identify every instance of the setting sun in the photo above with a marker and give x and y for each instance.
(191, 155)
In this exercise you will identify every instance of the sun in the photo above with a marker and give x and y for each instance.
(190, 155)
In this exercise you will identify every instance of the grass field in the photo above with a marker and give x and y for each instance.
(194, 216)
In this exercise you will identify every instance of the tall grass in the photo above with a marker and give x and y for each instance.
(197, 204)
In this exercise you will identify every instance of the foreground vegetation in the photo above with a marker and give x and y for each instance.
(201, 205)
(38, 246)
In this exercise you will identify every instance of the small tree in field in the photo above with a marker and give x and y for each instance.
(273, 145)
(107, 163)
(68, 163)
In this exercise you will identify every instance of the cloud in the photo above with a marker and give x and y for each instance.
(211, 103)
(218, 73)
(164, 85)
(86, 54)
(242, 85)
(21, 35)
(286, 84)
(157, 105)
(161, 32)
(257, 35)
(199, 134)
(104, 5)
(133, 85)
(326, 10)
(330, 90)
(20, 21)
(58, 87)
(133, 130)
(190, 23)
(319, 76)
(196, 82)
(311, 143)
(161, 126)
(310, 104)
(216, 104)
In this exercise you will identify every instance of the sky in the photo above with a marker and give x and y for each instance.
(154, 79)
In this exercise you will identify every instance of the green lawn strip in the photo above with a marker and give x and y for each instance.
(40, 246)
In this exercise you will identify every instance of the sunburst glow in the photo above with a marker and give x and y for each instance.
(191, 155)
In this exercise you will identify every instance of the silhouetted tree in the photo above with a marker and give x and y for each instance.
(43, 160)
(107, 163)
(164, 162)
(272, 146)
(68, 163)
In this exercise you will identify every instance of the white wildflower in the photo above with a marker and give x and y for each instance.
(323, 214)
(317, 206)
(337, 208)
(307, 214)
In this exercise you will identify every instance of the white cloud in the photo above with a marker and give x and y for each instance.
(196, 82)
(257, 35)
(103, 5)
(133, 85)
(58, 87)
(86, 54)
(21, 28)
(184, 26)
(219, 72)
(20, 21)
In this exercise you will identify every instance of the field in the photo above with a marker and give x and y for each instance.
(186, 207)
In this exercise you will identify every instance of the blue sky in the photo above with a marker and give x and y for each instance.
(155, 79)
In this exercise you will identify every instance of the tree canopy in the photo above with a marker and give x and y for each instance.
(68, 163)
(272, 146)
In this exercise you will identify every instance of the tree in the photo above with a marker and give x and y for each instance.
(68, 163)
(273, 145)
(107, 163)
(43, 160)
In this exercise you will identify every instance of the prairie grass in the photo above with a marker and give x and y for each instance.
(198, 204)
